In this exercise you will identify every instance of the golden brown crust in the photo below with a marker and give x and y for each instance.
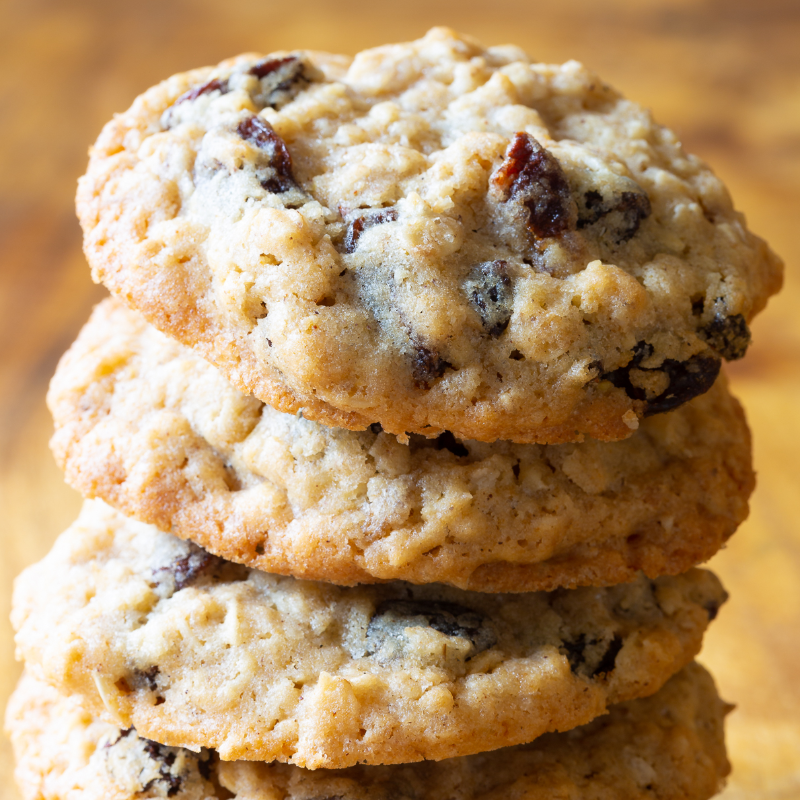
(151, 428)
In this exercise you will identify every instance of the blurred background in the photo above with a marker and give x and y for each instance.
(725, 74)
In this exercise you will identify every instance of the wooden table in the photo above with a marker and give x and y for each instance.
(724, 73)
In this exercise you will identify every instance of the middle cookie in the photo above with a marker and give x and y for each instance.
(194, 651)
(150, 427)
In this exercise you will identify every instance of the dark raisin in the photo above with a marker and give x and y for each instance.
(259, 132)
(166, 758)
(687, 379)
(609, 659)
(446, 441)
(621, 377)
(376, 428)
(489, 290)
(427, 366)
(124, 732)
(622, 211)
(593, 208)
(281, 79)
(532, 176)
(393, 616)
(189, 568)
(592, 657)
(215, 85)
(364, 221)
(146, 678)
(270, 65)
(729, 336)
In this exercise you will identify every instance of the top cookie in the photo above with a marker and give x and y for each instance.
(431, 236)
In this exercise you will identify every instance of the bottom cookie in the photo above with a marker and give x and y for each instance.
(669, 745)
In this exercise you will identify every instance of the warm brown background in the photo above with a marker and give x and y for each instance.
(724, 73)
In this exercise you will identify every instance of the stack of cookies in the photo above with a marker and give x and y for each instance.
(403, 435)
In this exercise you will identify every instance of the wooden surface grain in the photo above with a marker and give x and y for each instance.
(724, 73)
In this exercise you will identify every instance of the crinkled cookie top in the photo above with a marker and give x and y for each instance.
(431, 236)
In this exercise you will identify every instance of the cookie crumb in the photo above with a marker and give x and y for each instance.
(631, 420)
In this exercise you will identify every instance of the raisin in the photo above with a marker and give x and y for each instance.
(446, 441)
(270, 65)
(146, 677)
(687, 379)
(620, 377)
(393, 616)
(215, 85)
(609, 659)
(123, 733)
(489, 290)
(622, 211)
(260, 133)
(593, 202)
(728, 335)
(189, 568)
(166, 758)
(158, 752)
(364, 221)
(428, 365)
(281, 79)
(582, 652)
(532, 176)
